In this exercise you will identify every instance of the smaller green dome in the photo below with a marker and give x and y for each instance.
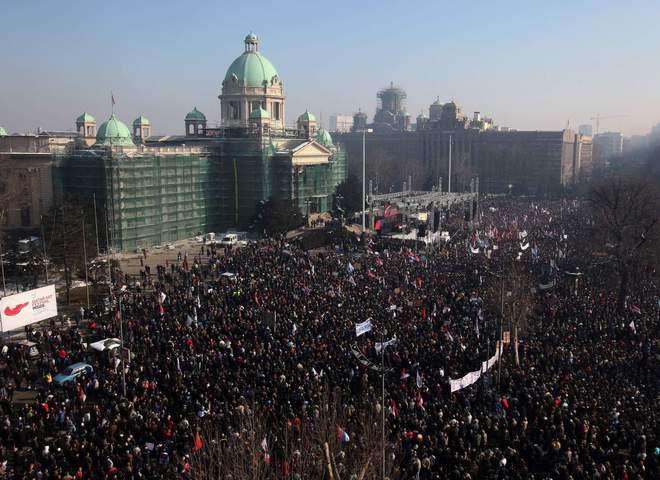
(251, 38)
(323, 137)
(114, 133)
(259, 113)
(85, 118)
(141, 121)
(307, 117)
(195, 115)
(3, 132)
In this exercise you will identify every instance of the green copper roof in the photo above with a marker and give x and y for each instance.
(85, 118)
(114, 133)
(251, 37)
(141, 121)
(323, 137)
(259, 113)
(251, 69)
(3, 132)
(307, 117)
(195, 115)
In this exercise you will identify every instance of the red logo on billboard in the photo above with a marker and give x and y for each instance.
(16, 310)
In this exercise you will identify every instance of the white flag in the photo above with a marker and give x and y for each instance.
(419, 380)
(363, 327)
(632, 326)
(350, 268)
(162, 297)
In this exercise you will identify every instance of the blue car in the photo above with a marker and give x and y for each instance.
(72, 372)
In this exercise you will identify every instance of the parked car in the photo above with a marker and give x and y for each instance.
(72, 372)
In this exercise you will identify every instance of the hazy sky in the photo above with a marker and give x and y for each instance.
(528, 64)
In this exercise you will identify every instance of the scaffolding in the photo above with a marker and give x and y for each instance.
(160, 195)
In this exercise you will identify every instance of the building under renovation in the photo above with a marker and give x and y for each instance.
(158, 189)
(391, 113)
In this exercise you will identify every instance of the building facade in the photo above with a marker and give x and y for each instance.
(156, 189)
(607, 146)
(341, 123)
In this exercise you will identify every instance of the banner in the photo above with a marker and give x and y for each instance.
(363, 327)
(378, 345)
(17, 311)
(470, 378)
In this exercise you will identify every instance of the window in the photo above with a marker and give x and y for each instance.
(276, 110)
(234, 110)
(190, 129)
(90, 131)
(146, 132)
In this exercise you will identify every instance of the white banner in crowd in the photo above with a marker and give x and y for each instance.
(378, 345)
(17, 311)
(363, 327)
(469, 378)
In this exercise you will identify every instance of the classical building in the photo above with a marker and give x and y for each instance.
(529, 162)
(158, 189)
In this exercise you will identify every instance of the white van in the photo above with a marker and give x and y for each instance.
(229, 240)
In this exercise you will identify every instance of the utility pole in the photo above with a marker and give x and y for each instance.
(84, 239)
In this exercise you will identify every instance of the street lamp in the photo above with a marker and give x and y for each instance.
(364, 176)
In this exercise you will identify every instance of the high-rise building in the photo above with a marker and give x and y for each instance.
(341, 123)
(607, 146)
(586, 129)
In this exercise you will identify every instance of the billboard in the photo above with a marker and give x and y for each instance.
(25, 308)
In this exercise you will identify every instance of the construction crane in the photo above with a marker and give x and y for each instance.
(598, 118)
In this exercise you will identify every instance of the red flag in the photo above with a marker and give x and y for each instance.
(379, 224)
(420, 400)
(112, 96)
(161, 309)
(424, 312)
(198, 441)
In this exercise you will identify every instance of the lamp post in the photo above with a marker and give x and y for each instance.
(364, 176)
(449, 176)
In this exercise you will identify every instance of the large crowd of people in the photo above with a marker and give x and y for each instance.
(272, 327)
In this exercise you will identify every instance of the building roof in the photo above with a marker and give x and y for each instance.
(114, 133)
(324, 138)
(195, 115)
(251, 69)
(307, 117)
(3, 132)
(141, 121)
(259, 113)
(85, 118)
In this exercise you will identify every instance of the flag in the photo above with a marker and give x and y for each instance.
(393, 410)
(162, 297)
(112, 98)
(424, 312)
(420, 400)
(161, 309)
(632, 326)
(350, 267)
(342, 436)
(198, 441)
(264, 447)
(404, 374)
(294, 329)
(419, 380)
(379, 224)
(636, 309)
(378, 346)
(363, 327)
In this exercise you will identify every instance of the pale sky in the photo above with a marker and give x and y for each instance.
(531, 65)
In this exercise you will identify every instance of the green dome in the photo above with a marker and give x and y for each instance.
(3, 132)
(195, 115)
(114, 133)
(323, 137)
(259, 113)
(251, 69)
(307, 117)
(141, 121)
(85, 118)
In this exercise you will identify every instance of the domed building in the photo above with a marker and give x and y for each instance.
(114, 133)
(159, 189)
(3, 132)
(251, 82)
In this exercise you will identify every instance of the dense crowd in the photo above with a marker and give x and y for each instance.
(272, 326)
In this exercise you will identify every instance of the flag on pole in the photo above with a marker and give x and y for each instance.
(420, 400)
(162, 297)
(392, 409)
(264, 447)
(632, 326)
(363, 327)
(419, 380)
(350, 267)
(198, 441)
(404, 374)
(636, 309)
(161, 310)
(112, 98)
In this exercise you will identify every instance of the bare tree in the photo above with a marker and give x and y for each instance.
(308, 446)
(626, 214)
